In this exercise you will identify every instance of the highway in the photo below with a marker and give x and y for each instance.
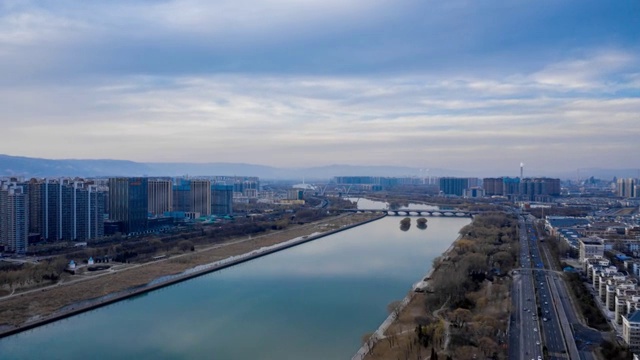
(525, 341)
(553, 338)
(542, 313)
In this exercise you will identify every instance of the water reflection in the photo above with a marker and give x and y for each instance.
(405, 224)
(314, 301)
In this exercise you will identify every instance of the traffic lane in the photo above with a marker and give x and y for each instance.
(553, 335)
(565, 325)
(553, 338)
(566, 301)
(531, 343)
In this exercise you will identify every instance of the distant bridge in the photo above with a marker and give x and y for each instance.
(418, 212)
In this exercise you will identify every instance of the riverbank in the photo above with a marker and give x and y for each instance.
(399, 316)
(463, 311)
(25, 311)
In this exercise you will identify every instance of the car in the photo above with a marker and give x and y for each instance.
(535, 329)
(537, 342)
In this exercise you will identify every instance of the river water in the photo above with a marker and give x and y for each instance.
(313, 301)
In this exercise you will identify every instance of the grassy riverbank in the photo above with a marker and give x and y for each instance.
(33, 305)
(465, 311)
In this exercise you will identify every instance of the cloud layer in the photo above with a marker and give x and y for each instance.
(464, 84)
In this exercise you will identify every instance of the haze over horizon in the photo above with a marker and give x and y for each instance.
(458, 84)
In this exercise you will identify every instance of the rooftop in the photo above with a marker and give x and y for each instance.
(566, 221)
(634, 317)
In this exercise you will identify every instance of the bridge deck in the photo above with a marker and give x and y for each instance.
(418, 212)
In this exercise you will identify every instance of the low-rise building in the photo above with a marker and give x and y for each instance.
(591, 247)
(607, 280)
(631, 330)
(614, 287)
(624, 298)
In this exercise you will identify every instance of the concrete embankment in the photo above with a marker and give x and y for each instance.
(112, 298)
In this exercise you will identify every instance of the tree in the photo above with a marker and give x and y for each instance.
(186, 245)
(504, 259)
(460, 317)
(475, 263)
(488, 346)
(394, 308)
(405, 224)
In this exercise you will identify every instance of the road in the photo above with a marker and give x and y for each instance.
(525, 341)
(543, 315)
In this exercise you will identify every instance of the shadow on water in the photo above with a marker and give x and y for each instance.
(422, 223)
(405, 224)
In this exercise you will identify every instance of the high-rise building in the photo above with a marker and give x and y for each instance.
(474, 192)
(88, 213)
(128, 203)
(14, 218)
(201, 196)
(453, 186)
(538, 189)
(511, 187)
(51, 228)
(36, 212)
(530, 189)
(221, 199)
(192, 195)
(295, 194)
(181, 194)
(626, 188)
(70, 210)
(160, 196)
(247, 186)
(493, 186)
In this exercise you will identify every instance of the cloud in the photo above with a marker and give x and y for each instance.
(292, 120)
(587, 72)
(290, 83)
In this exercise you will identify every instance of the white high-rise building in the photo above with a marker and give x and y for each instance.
(626, 188)
(14, 218)
(160, 196)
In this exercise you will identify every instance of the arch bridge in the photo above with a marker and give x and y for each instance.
(418, 212)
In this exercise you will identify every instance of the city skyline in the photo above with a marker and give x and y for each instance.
(458, 85)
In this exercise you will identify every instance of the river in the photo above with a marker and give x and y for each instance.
(313, 301)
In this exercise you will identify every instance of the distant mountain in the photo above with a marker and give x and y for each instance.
(36, 167)
(321, 172)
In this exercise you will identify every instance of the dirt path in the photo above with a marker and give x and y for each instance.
(20, 308)
(447, 330)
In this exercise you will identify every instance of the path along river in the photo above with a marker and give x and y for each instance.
(314, 301)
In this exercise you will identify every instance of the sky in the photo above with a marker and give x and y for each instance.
(449, 84)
